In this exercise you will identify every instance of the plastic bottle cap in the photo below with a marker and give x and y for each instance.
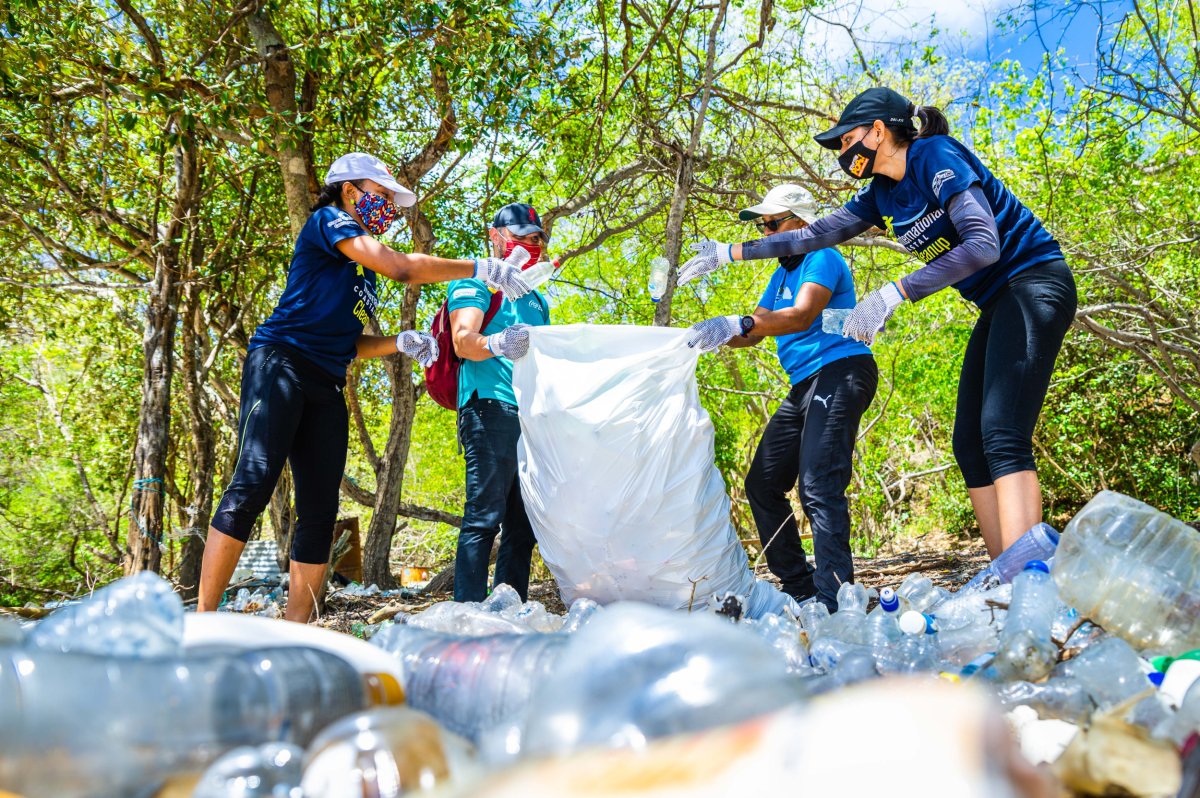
(383, 689)
(1156, 678)
(912, 623)
(888, 600)
(1037, 565)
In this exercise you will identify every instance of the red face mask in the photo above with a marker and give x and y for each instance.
(535, 252)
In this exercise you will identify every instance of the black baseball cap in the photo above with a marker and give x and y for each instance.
(522, 219)
(877, 103)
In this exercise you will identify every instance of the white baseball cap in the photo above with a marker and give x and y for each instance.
(782, 199)
(360, 165)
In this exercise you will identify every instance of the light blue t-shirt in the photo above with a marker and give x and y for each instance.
(492, 378)
(803, 353)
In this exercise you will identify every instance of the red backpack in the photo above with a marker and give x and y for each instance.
(441, 378)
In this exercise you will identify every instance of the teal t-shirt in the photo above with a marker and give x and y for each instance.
(492, 378)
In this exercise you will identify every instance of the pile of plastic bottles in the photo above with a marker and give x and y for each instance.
(1060, 632)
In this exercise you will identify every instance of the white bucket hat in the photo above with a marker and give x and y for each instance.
(360, 165)
(783, 199)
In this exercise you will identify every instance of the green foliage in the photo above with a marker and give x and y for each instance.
(583, 110)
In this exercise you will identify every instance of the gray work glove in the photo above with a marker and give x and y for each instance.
(511, 342)
(420, 346)
(502, 275)
(871, 313)
(711, 333)
(710, 256)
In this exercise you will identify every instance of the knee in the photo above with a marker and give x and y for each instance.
(969, 454)
(1007, 450)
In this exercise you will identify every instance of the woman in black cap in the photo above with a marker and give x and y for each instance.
(945, 207)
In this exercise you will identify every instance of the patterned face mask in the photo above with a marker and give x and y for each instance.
(376, 213)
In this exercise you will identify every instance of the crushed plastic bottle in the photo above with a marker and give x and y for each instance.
(783, 635)
(272, 770)
(1039, 543)
(465, 618)
(833, 319)
(1133, 570)
(968, 624)
(1110, 671)
(1025, 650)
(1058, 697)
(883, 629)
(75, 725)
(581, 612)
(919, 593)
(502, 598)
(139, 616)
(471, 684)
(849, 623)
(914, 651)
(657, 284)
(407, 752)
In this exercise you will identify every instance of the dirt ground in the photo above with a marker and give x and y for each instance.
(949, 562)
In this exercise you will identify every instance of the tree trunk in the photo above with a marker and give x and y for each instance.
(293, 138)
(389, 479)
(142, 550)
(684, 176)
(202, 455)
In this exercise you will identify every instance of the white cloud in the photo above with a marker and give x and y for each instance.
(883, 24)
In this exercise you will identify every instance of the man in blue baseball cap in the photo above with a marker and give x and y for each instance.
(488, 426)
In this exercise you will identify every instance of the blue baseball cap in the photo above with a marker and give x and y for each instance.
(522, 219)
(877, 103)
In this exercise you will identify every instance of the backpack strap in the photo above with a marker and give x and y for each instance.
(493, 309)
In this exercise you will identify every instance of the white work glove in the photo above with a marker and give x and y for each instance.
(420, 346)
(871, 313)
(502, 275)
(710, 256)
(711, 333)
(511, 342)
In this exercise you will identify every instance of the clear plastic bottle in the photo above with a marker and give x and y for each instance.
(657, 284)
(913, 652)
(919, 593)
(138, 616)
(883, 629)
(471, 684)
(272, 770)
(849, 623)
(832, 319)
(74, 725)
(1133, 570)
(407, 751)
(582, 610)
(1038, 543)
(540, 272)
(1025, 650)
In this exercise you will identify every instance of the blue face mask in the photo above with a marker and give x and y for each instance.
(376, 213)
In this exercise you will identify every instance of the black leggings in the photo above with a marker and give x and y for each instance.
(291, 410)
(1006, 372)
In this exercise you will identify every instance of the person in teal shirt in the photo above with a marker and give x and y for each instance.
(488, 427)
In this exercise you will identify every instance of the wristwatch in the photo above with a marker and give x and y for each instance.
(747, 325)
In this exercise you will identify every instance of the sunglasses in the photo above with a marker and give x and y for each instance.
(773, 225)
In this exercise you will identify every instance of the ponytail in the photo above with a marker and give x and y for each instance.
(933, 121)
(331, 194)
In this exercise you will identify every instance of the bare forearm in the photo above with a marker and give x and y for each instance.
(788, 320)
(471, 345)
(368, 346)
(418, 268)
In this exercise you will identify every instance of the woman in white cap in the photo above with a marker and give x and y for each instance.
(970, 232)
(810, 438)
(292, 407)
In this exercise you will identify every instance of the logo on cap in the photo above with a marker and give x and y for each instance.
(532, 216)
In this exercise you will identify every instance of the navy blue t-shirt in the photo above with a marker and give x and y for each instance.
(328, 298)
(914, 211)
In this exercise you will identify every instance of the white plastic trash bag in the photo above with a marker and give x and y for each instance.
(617, 470)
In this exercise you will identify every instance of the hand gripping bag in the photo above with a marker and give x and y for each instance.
(617, 470)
